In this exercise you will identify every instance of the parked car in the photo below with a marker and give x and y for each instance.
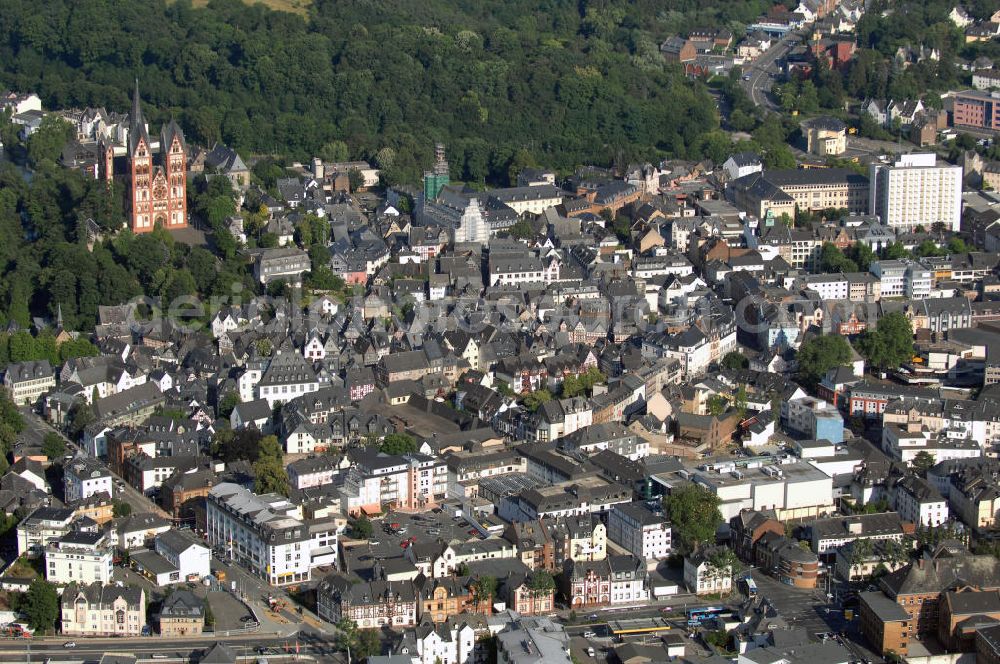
(589, 635)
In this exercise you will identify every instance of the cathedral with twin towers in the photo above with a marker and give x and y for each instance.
(155, 173)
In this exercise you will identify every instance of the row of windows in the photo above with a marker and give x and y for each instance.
(285, 389)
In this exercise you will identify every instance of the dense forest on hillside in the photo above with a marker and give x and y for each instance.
(46, 267)
(503, 82)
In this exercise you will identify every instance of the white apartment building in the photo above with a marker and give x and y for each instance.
(106, 374)
(828, 286)
(628, 580)
(533, 199)
(742, 163)
(702, 578)
(904, 443)
(466, 470)
(454, 643)
(560, 418)
(917, 281)
(41, 527)
(691, 348)
(287, 376)
(916, 190)
(262, 532)
(986, 79)
(892, 275)
(524, 268)
(84, 477)
(834, 532)
(312, 472)
(247, 381)
(452, 556)
(639, 531)
(410, 481)
(79, 557)
(917, 501)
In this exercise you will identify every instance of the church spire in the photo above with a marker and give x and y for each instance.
(137, 123)
(136, 115)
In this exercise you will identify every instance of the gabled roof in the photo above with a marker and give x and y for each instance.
(288, 367)
(182, 604)
(225, 159)
(929, 576)
(219, 654)
(745, 158)
(168, 133)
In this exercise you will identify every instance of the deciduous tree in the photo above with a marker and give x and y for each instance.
(41, 606)
(53, 445)
(269, 471)
(694, 513)
(890, 344)
(735, 360)
(534, 400)
(922, 462)
(398, 443)
(818, 355)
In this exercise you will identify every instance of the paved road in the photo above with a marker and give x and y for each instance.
(586, 620)
(253, 590)
(812, 611)
(764, 69)
(140, 503)
(859, 145)
(978, 132)
(174, 649)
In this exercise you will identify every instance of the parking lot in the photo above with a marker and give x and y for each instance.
(229, 613)
(606, 648)
(133, 578)
(426, 527)
(578, 647)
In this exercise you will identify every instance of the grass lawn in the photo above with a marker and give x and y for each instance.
(293, 6)
(25, 568)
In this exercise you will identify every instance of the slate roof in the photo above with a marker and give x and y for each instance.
(286, 368)
(182, 604)
(225, 159)
(930, 576)
(745, 158)
(220, 653)
(32, 370)
(885, 523)
(826, 122)
(101, 595)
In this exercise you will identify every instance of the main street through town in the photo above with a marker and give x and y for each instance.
(283, 623)
(764, 69)
(168, 650)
